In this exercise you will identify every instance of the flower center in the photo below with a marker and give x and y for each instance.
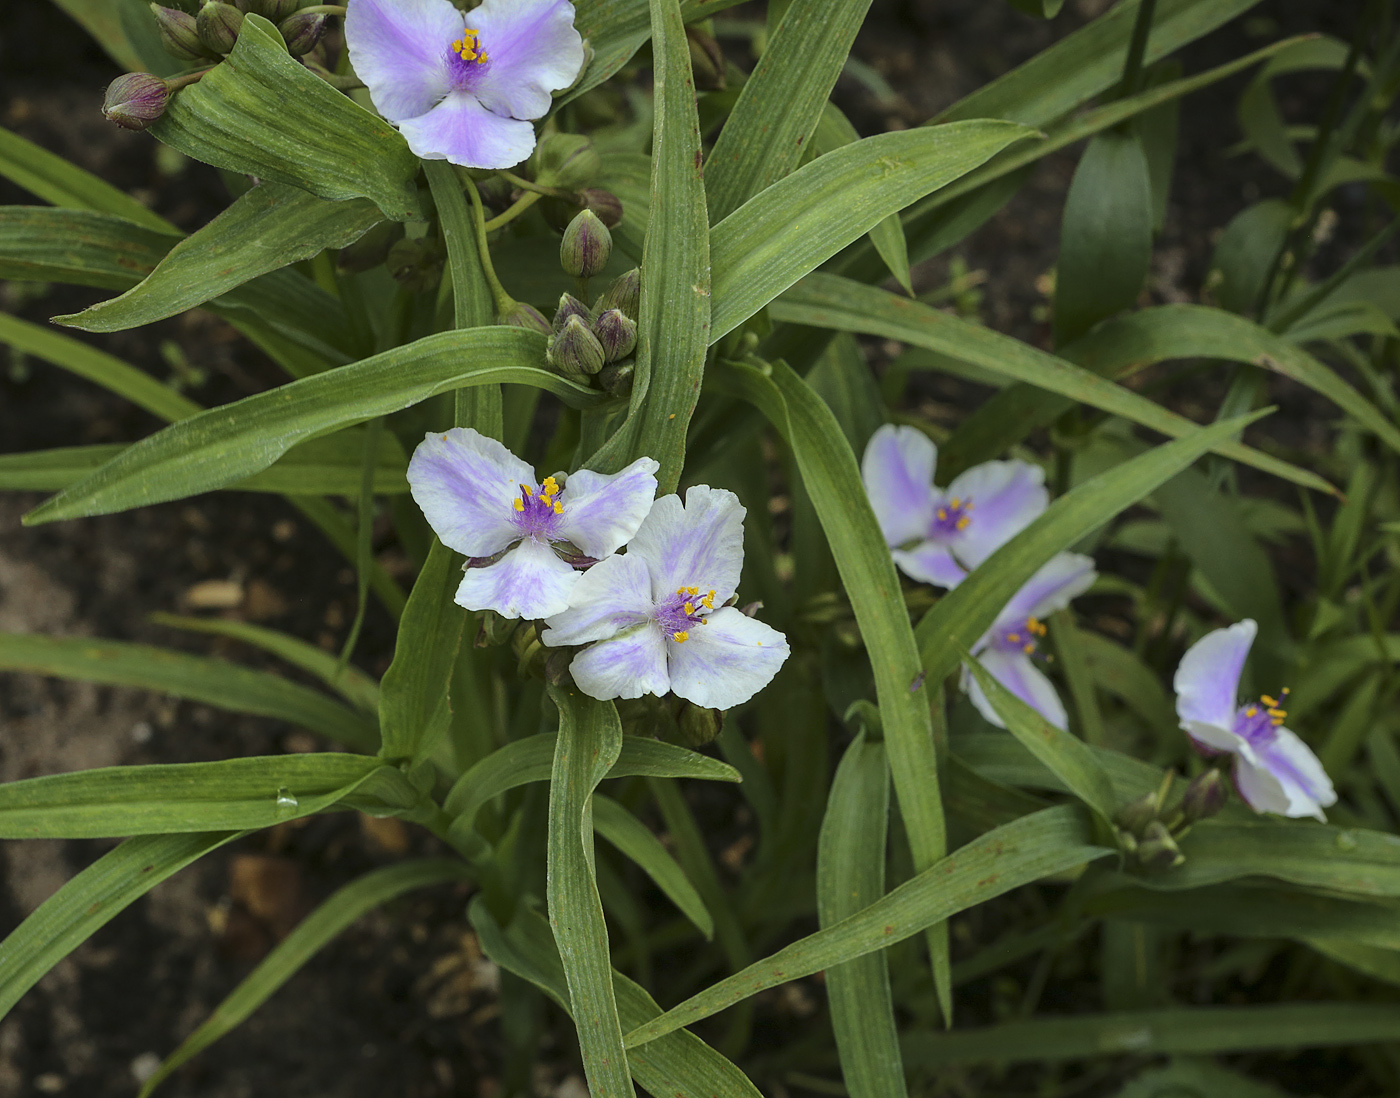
(1022, 637)
(465, 56)
(537, 511)
(1256, 723)
(951, 517)
(687, 607)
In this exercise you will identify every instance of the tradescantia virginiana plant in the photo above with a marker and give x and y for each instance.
(598, 347)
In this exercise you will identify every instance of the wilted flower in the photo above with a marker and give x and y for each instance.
(657, 612)
(461, 88)
(1275, 771)
(1008, 648)
(522, 537)
(937, 535)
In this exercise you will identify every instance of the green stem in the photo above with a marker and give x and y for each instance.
(519, 207)
(1137, 48)
(175, 83)
(504, 302)
(536, 188)
(322, 9)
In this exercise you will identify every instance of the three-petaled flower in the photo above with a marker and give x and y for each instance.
(655, 617)
(1275, 771)
(523, 538)
(937, 535)
(1008, 649)
(463, 88)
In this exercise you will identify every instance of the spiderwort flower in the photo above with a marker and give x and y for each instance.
(523, 538)
(1008, 648)
(1275, 771)
(655, 616)
(462, 88)
(936, 536)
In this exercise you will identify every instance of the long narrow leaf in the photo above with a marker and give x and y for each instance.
(635, 840)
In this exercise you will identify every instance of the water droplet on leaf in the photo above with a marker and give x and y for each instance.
(1346, 840)
(287, 804)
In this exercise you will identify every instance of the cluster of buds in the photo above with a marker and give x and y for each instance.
(597, 342)
(1150, 835)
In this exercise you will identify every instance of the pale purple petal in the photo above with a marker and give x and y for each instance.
(1207, 681)
(700, 544)
(398, 48)
(930, 562)
(462, 131)
(626, 666)
(613, 595)
(533, 50)
(1017, 673)
(1260, 789)
(726, 660)
(466, 485)
(1212, 737)
(528, 582)
(1062, 578)
(1299, 772)
(1007, 496)
(897, 470)
(602, 511)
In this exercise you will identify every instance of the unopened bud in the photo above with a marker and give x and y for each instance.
(1158, 850)
(1134, 816)
(275, 10)
(180, 35)
(586, 247)
(371, 249)
(135, 100)
(575, 352)
(218, 25)
(617, 333)
(569, 306)
(416, 264)
(624, 295)
(566, 160)
(698, 726)
(706, 60)
(616, 378)
(524, 316)
(604, 204)
(302, 32)
(1204, 797)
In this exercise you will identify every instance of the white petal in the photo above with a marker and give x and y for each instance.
(1207, 681)
(462, 131)
(1215, 737)
(625, 666)
(466, 485)
(897, 470)
(725, 661)
(399, 49)
(1260, 789)
(1300, 773)
(930, 562)
(602, 511)
(528, 582)
(1007, 496)
(1017, 673)
(613, 595)
(533, 50)
(699, 544)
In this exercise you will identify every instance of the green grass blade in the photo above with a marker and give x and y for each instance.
(1026, 850)
(634, 839)
(829, 301)
(850, 876)
(334, 915)
(231, 795)
(198, 678)
(78, 246)
(804, 219)
(589, 742)
(226, 444)
(89, 901)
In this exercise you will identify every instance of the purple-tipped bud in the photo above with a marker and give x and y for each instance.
(616, 378)
(575, 352)
(1158, 850)
(569, 306)
(1134, 816)
(706, 60)
(179, 34)
(624, 295)
(586, 247)
(524, 316)
(698, 726)
(136, 100)
(606, 205)
(617, 333)
(218, 25)
(302, 32)
(1204, 797)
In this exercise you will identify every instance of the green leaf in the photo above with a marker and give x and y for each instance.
(1245, 253)
(1105, 235)
(413, 702)
(61, 183)
(225, 444)
(628, 176)
(78, 246)
(335, 914)
(636, 841)
(262, 113)
(211, 681)
(102, 19)
(89, 901)
(589, 742)
(268, 227)
(1257, 111)
(1119, 672)
(805, 218)
(828, 301)
(851, 876)
(1047, 842)
(232, 795)
(781, 102)
(1378, 964)
(1196, 1077)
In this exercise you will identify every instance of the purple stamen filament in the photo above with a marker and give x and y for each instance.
(1256, 723)
(952, 517)
(687, 607)
(1025, 637)
(537, 510)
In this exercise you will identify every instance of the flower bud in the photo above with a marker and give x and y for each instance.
(1158, 850)
(180, 35)
(586, 247)
(698, 726)
(302, 32)
(275, 10)
(218, 25)
(566, 160)
(371, 249)
(624, 295)
(524, 316)
(616, 378)
(416, 264)
(617, 333)
(575, 352)
(604, 204)
(1134, 816)
(135, 100)
(1204, 797)
(706, 60)
(569, 306)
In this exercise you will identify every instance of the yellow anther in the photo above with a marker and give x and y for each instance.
(709, 601)
(681, 637)
(558, 508)
(967, 506)
(520, 505)
(689, 608)
(1277, 713)
(942, 514)
(956, 502)
(1272, 703)
(1028, 649)
(680, 590)
(525, 488)
(962, 523)
(1252, 711)
(692, 590)
(1014, 638)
